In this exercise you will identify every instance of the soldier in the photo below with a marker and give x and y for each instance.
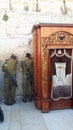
(26, 67)
(9, 72)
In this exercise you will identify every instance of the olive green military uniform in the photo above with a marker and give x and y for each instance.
(27, 69)
(9, 88)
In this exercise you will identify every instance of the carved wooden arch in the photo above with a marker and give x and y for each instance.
(56, 38)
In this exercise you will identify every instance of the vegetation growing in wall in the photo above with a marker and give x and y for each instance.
(64, 10)
(5, 17)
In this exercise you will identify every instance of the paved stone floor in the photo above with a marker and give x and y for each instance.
(24, 116)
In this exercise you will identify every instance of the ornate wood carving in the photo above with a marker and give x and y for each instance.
(58, 38)
(44, 68)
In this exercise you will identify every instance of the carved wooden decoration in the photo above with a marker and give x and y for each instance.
(53, 66)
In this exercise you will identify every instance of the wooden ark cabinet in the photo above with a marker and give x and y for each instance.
(53, 66)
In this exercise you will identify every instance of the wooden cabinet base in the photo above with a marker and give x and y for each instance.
(38, 102)
(61, 104)
(48, 105)
(45, 105)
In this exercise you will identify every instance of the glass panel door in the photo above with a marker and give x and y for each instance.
(61, 61)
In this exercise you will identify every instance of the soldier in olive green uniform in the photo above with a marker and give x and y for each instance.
(26, 67)
(9, 87)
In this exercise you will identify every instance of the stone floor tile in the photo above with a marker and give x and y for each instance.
(59, 119)
(25, 116)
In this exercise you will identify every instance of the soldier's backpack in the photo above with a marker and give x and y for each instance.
(1, 115)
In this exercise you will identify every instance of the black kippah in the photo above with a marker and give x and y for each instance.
(13, 56)
(28, 55)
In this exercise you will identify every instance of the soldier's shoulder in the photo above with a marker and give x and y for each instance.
(31, 60)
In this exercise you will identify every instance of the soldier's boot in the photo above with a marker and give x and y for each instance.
(24, 99)
(7, 101)
(12, 101)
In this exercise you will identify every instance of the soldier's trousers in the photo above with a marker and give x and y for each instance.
(9, 89)
(27, 88)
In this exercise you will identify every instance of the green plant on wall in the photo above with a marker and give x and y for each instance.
(5, 17)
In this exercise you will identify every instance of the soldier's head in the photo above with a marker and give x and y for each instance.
(13, 57)
(28, 55)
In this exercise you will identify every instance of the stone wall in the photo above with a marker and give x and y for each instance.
(16, 31)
